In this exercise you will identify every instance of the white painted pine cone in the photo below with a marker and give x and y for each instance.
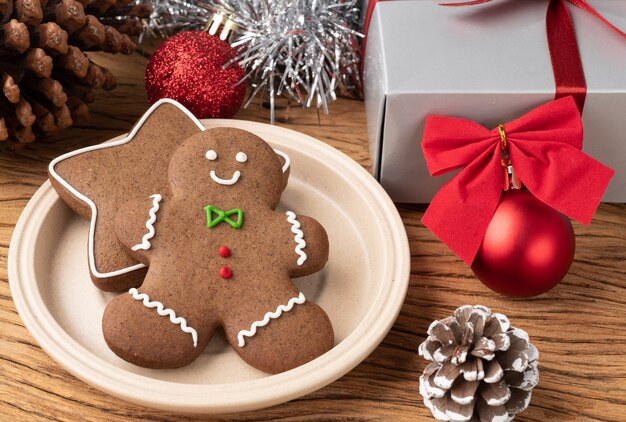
(481, 369)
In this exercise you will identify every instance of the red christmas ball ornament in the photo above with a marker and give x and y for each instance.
(189, 68)
(527, 249)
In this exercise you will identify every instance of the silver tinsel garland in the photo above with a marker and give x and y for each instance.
(306, 50)
(171, 16)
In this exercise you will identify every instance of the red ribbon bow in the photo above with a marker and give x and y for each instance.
(544, 148)
(567, 66)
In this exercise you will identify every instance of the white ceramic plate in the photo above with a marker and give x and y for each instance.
(361, 288)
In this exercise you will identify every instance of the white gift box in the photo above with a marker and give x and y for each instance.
(488, 63)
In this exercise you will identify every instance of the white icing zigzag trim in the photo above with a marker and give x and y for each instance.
(299, 236)
(145, 241)
(163, 311)
(269, 316)
(92, 205)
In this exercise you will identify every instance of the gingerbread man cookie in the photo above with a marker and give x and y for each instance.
(219, 255)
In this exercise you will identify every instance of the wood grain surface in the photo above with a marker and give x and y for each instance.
(578, 326)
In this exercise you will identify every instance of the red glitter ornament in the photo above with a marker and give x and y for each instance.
(188, 68)
(527, 249)
(226, 272)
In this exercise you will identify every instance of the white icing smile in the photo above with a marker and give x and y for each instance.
(240, 157)
(227, 182)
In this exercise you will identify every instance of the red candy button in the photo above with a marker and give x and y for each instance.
(226, 272)
(224, 251)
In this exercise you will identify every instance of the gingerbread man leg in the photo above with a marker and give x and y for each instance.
(289, 334)
(153, 327)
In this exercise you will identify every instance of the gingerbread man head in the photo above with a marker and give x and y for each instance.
(230, 163)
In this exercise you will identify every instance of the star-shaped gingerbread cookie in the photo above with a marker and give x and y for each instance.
(96, 180)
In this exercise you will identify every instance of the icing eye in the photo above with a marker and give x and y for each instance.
(241, 157)
(211, 155)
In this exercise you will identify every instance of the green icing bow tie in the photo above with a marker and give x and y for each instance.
(214, 216)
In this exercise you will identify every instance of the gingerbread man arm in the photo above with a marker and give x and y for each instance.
(310, 245)
(136, 226)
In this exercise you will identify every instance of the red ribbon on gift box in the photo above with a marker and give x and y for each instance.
(567, 65)
(544, 148)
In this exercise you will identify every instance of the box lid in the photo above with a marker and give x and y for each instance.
(491, 47)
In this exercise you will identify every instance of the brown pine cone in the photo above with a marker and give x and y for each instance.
(47, 80)
(481, 369)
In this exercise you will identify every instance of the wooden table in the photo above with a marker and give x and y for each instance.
(578, 326)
